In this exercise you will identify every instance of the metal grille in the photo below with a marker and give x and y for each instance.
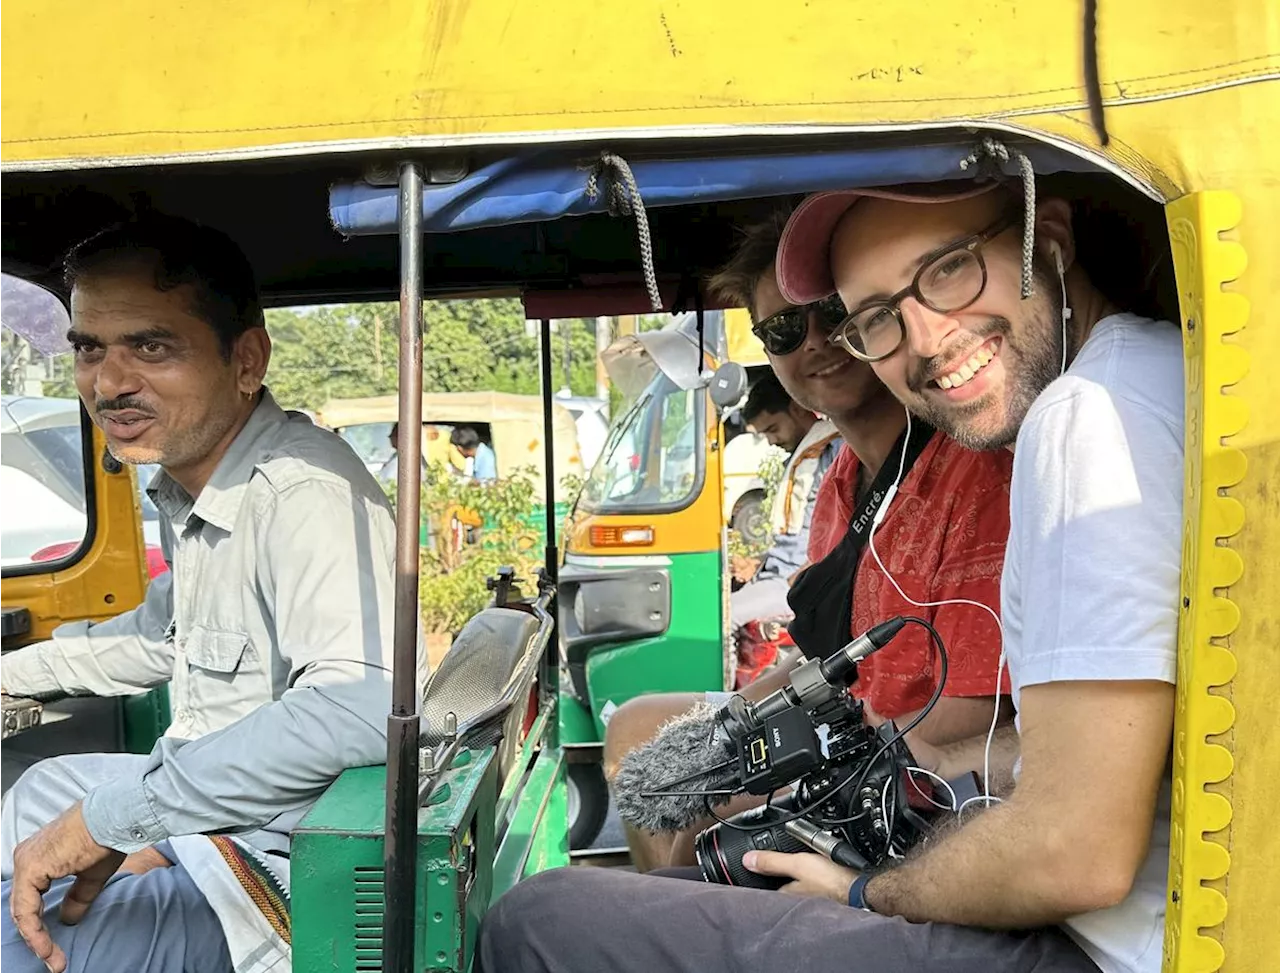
(370, 903)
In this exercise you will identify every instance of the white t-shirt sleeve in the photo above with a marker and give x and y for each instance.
(1098, 519)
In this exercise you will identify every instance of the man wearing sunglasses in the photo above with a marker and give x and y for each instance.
(943, 538)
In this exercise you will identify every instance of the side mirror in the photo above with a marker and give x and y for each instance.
(728, 385)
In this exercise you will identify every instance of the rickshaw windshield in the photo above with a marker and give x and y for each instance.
(653, 460)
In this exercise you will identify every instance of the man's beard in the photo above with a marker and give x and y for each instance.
(1037, 352)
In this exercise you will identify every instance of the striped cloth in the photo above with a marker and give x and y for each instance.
(249, 892)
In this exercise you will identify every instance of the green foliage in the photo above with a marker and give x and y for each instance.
(343, 351)
(472, 530)
(740, 547)
(570, 487)
(352, 350)
(63, 383)
(771, 471)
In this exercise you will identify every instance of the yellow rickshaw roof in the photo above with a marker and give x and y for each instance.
(138, 81)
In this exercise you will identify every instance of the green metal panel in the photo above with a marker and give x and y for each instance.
(337, 871)
(537, 837)
(551, 840)
(513, 786)
(576, 722)
(146, 717)
(689, 657)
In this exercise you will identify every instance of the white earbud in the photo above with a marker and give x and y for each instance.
(1057, 257)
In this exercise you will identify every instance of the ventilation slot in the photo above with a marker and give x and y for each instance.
(369, 901)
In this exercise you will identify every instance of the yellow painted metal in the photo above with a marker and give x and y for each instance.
(697, 527)
(1205, 664)
(1191, 99)
(1228, 656)
(109, 579)
(743, 346)
(133, 79)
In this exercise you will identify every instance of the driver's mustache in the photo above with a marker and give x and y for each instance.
(121, 404)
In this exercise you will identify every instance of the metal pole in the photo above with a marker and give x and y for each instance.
(603, 328)
(548, 439)
(400, 844)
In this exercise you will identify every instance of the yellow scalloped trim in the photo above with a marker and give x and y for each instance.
(1200, 838)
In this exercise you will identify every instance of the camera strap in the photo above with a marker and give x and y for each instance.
(822, 594)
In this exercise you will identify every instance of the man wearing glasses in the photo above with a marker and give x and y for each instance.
(943, 538)
(974, 331)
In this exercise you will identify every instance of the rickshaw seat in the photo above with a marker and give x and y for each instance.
(484, 680)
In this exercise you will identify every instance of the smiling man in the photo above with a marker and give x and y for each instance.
(943, 535)
(1068, 873)
(273, 629)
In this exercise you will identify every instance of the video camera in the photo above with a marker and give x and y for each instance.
(852, 798)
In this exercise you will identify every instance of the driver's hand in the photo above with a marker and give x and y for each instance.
(63, 847)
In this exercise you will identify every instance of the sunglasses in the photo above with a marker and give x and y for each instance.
(783, 332)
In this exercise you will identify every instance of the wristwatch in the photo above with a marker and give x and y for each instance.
(858, 893)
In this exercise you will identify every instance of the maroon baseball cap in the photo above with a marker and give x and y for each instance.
(804, 265)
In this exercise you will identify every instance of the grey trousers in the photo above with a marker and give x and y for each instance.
(591, 919)
(48, 788)
(158, 922)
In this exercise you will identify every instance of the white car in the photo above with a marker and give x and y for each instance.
(42, 491)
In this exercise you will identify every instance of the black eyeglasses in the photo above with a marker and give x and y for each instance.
(949, 280)
(783, 332)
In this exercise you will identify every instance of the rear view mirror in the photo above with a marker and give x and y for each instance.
(728, 385)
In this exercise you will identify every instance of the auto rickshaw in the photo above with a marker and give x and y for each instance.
(475, 148)
(511, 424)
(646, 543)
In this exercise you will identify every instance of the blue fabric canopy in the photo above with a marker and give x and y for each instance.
(546, 184)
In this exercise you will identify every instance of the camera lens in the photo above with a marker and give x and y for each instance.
(720, 848)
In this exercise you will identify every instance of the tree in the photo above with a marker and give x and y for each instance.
(336, 352)
(352, 350)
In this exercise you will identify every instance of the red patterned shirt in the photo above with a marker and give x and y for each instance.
(943, 537)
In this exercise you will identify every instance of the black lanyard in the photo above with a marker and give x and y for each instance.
(822, 595)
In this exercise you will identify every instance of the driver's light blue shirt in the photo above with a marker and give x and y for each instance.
(273, 630)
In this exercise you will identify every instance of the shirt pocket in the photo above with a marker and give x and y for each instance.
(221, 673)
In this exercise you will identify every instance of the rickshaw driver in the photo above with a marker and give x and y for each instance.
(274, 626)
(951, 514)
(1074, 862)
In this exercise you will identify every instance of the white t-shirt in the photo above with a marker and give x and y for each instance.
(1092, 570)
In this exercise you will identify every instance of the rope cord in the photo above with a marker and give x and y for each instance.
(624, 200)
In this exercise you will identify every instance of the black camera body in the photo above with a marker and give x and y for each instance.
(850, 781)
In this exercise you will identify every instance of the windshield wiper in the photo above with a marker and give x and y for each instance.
(625, 423)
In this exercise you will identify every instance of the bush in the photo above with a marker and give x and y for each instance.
(471, 529)
(771, 471)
